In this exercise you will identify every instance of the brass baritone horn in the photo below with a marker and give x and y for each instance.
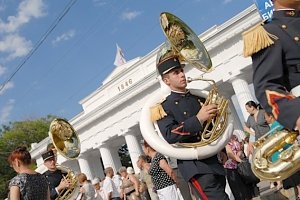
(289, 159)
(215, 127)
(73, 190)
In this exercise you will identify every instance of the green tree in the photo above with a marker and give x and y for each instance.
(124, 156)
(19, 133)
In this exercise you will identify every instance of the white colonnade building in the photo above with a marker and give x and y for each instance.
(111, 114)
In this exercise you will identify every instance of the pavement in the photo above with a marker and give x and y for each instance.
(267, 193)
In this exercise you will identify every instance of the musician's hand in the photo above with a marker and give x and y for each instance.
(298, 124)
(63, 184)
(207, 112)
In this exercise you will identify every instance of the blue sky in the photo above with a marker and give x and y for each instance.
(79, 53)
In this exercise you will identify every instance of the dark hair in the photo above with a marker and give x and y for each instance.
(50, 146)
(259, 107)
(21, 154)
(269, 114)
(251, 104)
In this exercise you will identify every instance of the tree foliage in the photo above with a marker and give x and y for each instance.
(124, 156)
(19, 133)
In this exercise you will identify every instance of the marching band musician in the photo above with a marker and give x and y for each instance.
(274, 48)
(182, 122)
(275, 51)
(54, 176)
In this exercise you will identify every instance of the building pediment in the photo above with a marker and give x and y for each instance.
(118, 70)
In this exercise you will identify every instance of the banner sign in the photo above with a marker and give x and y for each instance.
(265, 9)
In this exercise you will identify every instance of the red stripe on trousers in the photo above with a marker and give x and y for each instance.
(197, 186)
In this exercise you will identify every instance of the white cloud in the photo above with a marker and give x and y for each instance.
(15, 46)
(6, 110)
(27, 10)
(64, 37)
(227, 1)
(2, 70)
(130, 15)
(8, 86)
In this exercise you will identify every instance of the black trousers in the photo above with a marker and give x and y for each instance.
(239, 189)
(209, 186)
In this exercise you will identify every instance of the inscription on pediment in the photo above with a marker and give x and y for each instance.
(125, 84)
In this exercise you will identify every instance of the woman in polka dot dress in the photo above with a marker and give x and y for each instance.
(163, 178)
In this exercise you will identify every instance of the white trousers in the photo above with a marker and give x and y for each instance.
(168, 193)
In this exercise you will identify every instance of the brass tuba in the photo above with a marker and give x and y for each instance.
(289, 159)
(185, 44)
(66, 142)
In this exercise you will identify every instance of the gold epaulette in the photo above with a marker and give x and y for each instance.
(256, 39)
(157, 112)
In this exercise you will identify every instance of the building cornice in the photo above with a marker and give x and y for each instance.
(231, 28)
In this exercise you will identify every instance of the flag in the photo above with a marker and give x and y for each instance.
(119, 60)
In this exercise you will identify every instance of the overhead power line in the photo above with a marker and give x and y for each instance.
(40, 42)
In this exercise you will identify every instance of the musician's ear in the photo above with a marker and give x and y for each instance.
(165, 79)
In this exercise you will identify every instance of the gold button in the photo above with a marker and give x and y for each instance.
(283, 26)
(290, 13)
(184, 113)
(176, 102)
(296, 38)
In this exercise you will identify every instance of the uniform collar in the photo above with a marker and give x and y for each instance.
(180, 94)
(286, 13)
(52, 172)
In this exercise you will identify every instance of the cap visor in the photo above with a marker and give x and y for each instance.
(167, 71)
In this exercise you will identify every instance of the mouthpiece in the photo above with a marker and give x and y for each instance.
(189, 79)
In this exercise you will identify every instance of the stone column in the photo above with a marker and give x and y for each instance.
(134, 148)
(110, 158)
(84, 166)
(243, 94)
(236, 120)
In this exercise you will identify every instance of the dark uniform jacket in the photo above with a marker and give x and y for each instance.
(276, 69)
(53, 178)
(182, 125)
